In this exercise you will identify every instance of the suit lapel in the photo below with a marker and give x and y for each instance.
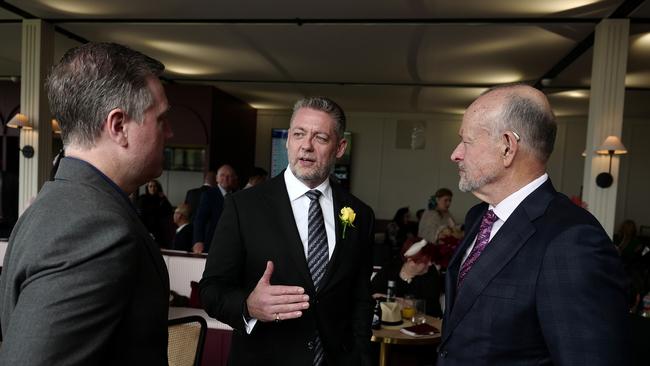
(514, 233)
(454, 264)
(278, 199)
(340, 200)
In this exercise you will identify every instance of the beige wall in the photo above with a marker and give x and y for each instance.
(388, 178)
(633, 198)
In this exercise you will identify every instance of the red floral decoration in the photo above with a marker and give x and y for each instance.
(443, 252)
(579, 202)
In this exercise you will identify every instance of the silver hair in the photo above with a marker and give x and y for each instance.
(533, 122)
(326, 105)
(93, 79)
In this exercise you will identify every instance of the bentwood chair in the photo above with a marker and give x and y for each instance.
(186, 338)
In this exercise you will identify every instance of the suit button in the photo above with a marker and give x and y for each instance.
(310, 345)
(443, 354)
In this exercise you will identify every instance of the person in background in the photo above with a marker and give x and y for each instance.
(258, 175)
(413, 274)
(184, 230)
(418, 215)
(628, 244)
(210, 208)
(536, 280)
(434, 219)
(291, 271)
(193, 196)
(397, 232)
(156, 213)
(83, 282)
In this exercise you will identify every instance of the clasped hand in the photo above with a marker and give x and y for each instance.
(272, 303)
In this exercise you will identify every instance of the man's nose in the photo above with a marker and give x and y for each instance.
(307, 144)
(456, 155)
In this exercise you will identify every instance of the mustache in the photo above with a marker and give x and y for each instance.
(307, 157)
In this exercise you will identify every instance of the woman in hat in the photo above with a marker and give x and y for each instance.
(414, 276)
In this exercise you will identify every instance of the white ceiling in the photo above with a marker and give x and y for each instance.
(370, 55)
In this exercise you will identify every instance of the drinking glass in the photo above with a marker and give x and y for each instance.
(420, 310)
(408, 308)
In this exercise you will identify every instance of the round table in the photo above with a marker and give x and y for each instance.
(388, 335)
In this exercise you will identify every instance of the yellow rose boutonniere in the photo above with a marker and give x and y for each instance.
(347, 218)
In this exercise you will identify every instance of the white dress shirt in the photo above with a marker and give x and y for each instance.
(505, 208)
(222, 190)
(300, 206)
(180, 228)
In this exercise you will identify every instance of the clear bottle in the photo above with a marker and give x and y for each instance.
(645, 312)
(390, 292)
(376, 316)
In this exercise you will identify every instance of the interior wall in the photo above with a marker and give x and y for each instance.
(633, 199)
(386, 177)
(176, 183)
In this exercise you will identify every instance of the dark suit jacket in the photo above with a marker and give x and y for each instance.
(547, 290)
(258, 225)
(193, 198)
(183, 238)
(207, 216)
(83, 283)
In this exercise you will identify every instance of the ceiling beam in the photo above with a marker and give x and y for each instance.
(623, 11)
(329, 21)
(16, 10)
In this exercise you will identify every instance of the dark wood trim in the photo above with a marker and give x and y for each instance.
(175, 253)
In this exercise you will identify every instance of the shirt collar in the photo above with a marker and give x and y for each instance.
(180, 228)
(223, 191)
(297, 189)
(506, 207)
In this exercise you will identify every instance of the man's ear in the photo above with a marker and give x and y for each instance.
(510, 148)
(116, 126)
(340, 148)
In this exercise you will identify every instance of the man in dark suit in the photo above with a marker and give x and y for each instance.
(210, 208)
(286, 271)
(184, 228)
(536, 281)
(193, 196)
(83, 282)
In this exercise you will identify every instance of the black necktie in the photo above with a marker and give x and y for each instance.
(317, 256)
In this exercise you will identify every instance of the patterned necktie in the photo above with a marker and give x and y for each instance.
(482, 239)
(317, 252)
(318, 256)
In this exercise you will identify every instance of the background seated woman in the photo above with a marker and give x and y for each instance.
(413, 274)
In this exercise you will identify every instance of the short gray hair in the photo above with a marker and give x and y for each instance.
(326, 105)
(93, 79)
(532, 121)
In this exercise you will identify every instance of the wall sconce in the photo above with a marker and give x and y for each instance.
(611, 146)
(55, 127)
(20, 121)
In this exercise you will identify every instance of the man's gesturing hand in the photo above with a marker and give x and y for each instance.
(270, 303)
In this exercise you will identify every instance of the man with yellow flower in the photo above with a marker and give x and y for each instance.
(290, 263)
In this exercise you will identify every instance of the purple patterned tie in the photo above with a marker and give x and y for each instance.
(482, 239)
